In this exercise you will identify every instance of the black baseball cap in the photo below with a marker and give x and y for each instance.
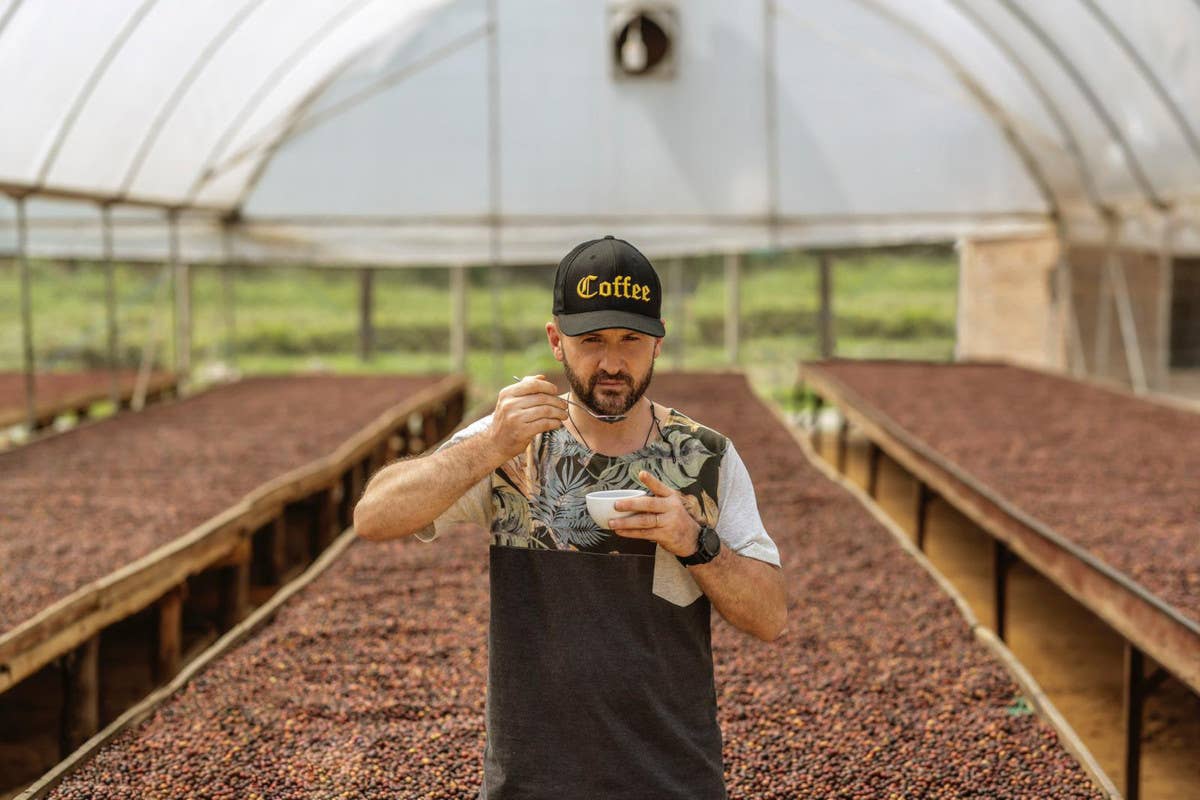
(607, 283)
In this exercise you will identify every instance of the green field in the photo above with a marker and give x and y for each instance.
(290, 319)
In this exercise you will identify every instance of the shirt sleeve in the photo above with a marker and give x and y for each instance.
(738, 524)
(475, 505)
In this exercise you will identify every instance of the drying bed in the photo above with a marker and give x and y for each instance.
(71, 392)
(1116, 474)
(370, 681)
(82, 505)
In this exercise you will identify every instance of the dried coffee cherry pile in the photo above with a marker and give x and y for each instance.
(57, 386)
(79, 506)
(1116, 474)
(370, 683)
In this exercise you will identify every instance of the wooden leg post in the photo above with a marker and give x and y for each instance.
(396, 446)
(1001, 558)
(843, 444)
(429, 428)
(300, 526)
(924, 496)
(235, 588)
(81, 695)
(170, 635)
(874, 455)
(818, 406)
(1134, 702)
(416, 434)
(327, 521)
(277, 553)
(360, 481)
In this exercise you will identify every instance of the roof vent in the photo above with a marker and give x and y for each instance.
(642, 40)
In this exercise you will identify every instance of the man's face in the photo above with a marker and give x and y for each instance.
(609, 370)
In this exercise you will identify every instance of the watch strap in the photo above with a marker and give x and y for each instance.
(702, 555)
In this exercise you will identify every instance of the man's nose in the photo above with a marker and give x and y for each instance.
(610, 365)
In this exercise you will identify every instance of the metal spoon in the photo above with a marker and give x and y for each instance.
(610, 418)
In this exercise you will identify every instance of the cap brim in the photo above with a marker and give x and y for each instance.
(588, 321)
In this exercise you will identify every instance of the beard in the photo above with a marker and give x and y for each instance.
(615, 400)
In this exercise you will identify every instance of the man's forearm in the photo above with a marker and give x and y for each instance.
(749, 593)
(406, 496)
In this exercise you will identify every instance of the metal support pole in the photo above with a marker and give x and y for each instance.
(366, 303)
(110, 304)
(1166, 281)
(229, 296)
(733, 306)
(1068, 317)
(495, 192)
(182, 283)
(1001, 557)
(458, 318)
(1133, 708)
(921, 523)
(678, 323)
(1104, 309)
(495, 276)
(1130, 340)
(149, 352)
(825, 334)
(771, 121)
(26, 314)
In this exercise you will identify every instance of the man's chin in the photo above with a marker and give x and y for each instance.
(614, 396)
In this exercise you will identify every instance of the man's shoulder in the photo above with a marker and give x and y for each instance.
(712, 439)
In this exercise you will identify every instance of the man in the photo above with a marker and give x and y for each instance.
(600, 679)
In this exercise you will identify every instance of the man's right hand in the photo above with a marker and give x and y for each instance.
(523, 410)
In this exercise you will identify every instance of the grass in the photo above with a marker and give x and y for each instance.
(289, 319)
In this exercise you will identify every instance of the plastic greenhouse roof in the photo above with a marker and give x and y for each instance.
(471, 131)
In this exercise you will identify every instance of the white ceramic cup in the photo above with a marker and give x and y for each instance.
(600, 504)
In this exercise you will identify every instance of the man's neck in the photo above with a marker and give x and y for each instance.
(613, 438)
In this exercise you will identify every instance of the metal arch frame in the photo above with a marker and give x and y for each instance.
(295, 124)
(181, 89)
(254, 102)
(1148, 74)
(989, 105)
(1134, 165)
(97, 74)
(1043, 95)
(1064, 281)
(12, 12)
(59, 193)
(1081, 83)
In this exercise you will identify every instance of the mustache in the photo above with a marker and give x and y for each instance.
(626, 379)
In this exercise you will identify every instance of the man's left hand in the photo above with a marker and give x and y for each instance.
(661, 518)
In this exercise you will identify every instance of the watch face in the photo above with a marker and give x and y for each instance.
(710, 543)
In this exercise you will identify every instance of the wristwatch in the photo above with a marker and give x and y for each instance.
(708, 544)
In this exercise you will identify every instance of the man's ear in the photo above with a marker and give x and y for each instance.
(555, 339)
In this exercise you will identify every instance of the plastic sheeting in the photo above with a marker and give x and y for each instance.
(376, 131)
